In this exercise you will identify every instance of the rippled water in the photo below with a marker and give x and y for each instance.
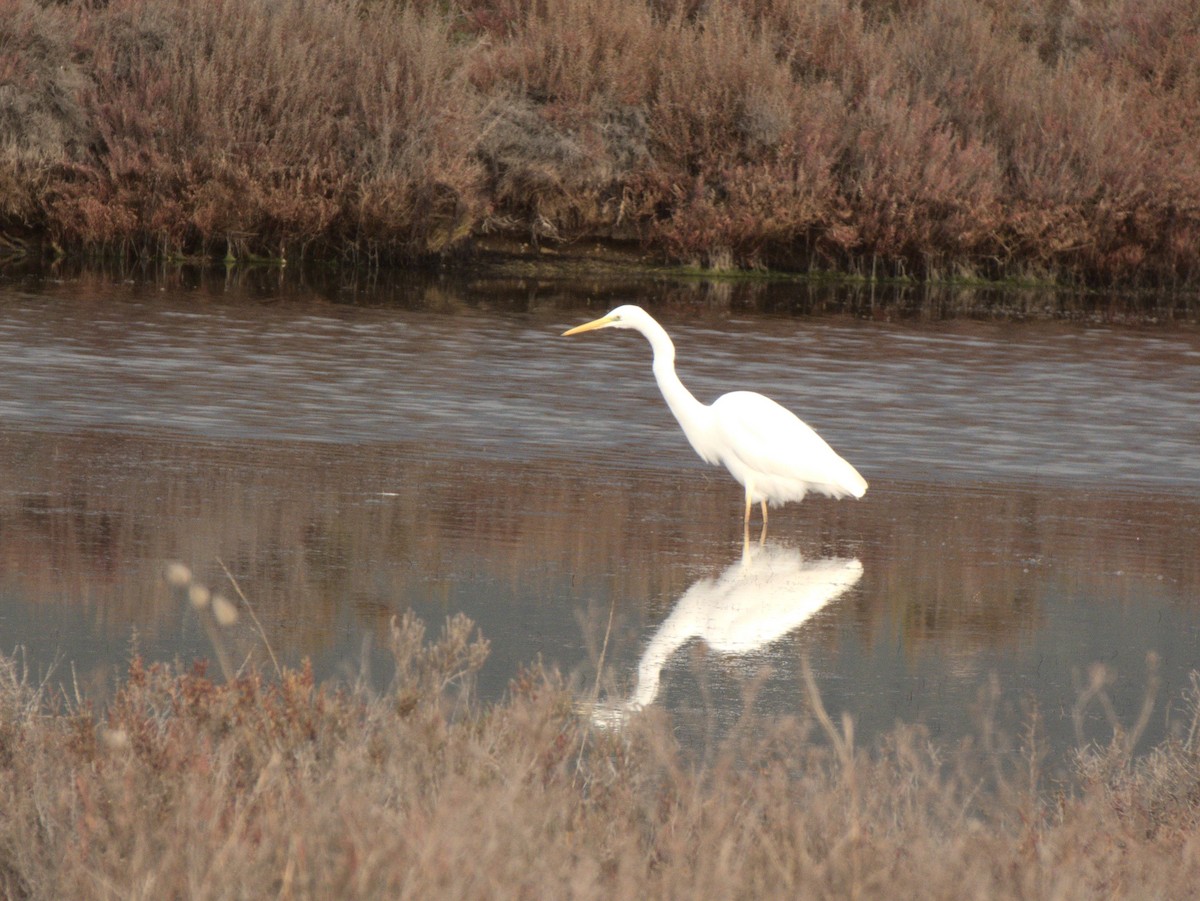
(1034, 504)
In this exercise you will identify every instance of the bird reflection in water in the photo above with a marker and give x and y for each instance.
(760, 598)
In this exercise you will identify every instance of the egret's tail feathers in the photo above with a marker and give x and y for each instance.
(848, 484)
(859, 487)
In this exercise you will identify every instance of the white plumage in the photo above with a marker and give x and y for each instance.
(765, 595)
(773, 454)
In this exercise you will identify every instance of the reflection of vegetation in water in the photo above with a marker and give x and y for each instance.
(601, 280)
(945, 140)
(956, 566)
(285, 787)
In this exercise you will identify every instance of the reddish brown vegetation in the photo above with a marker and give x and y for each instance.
(938, 137)
(283, 788)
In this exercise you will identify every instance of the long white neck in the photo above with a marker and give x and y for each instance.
(690, 413)
(671, 635)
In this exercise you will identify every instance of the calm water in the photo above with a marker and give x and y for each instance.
(351, 452)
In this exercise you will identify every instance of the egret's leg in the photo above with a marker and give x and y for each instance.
(749, 507)
(762, 538)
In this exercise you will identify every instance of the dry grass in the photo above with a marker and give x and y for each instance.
(274, 128)
(255, 787)
(935, 138)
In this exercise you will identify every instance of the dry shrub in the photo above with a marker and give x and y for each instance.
(270, 128)
(559, 176)
(992, 137)
(1148, 54)
(567, 52)
(916, 187)
(40, 116)
(1102, 136)
(732, 151)
(565, 126)
(256, 787)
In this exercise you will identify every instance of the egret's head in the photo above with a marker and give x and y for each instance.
(627, 316)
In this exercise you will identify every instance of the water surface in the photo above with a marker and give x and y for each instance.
(349, 454)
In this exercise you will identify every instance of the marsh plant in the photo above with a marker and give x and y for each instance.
(935, 138)
(249, 785)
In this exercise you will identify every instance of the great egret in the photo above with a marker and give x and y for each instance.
(774, 455)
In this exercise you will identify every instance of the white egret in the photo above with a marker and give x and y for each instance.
(775, 456)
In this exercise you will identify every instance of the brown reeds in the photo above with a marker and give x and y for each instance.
(287, 788)
(937, 138)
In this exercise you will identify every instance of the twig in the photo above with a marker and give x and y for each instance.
(250, 609)
(843, 743)
(596, 688)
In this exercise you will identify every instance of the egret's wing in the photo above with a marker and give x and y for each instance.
(772, 441)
